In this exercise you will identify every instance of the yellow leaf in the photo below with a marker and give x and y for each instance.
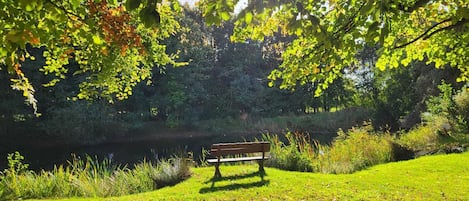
(97, 40)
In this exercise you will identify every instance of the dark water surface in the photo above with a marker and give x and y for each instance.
(45, 157)
(127, 152)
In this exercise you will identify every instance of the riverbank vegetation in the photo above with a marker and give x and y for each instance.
(351, 151)
(440, 177)
(88, 177)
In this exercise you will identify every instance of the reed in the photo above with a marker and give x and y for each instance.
(350, 151)
(88, 177)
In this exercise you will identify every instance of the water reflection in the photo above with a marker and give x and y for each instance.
(45, 157)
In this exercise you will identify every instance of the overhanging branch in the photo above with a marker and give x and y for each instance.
(459, 23)
(424, 34)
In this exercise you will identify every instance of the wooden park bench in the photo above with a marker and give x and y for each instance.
(237, 152)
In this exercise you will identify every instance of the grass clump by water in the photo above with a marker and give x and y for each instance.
(88, 178)
(358, 149)
(354, 150)
(298, 155)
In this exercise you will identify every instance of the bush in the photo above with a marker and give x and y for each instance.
(449, 110)
(446, 124)
(88, 178)
(434, 138)
(421, 138)
(461, 101)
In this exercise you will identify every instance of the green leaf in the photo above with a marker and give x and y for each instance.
(132, 4)
(75, 3)
(225, 16)
(248, 18)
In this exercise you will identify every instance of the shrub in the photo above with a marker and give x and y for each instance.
(449, 110)
(88, 178)
(423, 137)
(461, 101)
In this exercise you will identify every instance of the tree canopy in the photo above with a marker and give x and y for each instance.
(329, 33)
(115, 44)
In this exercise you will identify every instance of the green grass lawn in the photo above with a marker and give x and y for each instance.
(441, 177)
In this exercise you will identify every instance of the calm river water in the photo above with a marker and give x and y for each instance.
(45, 157)
(129, 152)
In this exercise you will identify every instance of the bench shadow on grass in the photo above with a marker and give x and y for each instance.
(235, 186)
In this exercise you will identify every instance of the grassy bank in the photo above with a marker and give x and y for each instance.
(88, 178)
(440, 177)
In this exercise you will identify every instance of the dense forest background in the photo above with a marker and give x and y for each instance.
(224, 82)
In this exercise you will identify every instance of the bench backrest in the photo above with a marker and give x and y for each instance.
(239, 148)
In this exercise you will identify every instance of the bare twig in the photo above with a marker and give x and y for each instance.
(65, 10)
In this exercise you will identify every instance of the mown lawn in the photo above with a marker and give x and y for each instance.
(441, 177)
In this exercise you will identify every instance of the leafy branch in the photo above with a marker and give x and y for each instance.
(424, 34)
(457, 24)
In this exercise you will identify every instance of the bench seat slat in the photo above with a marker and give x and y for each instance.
(222, 160)
(237, 144)
(240, 150)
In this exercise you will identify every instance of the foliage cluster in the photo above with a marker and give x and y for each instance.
(445, 122)
(357, 149)
(329, 33)
(112, 49)
(449, 110)
(223, 81)
(88, 177)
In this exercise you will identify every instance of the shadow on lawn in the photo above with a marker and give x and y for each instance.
(234, 186)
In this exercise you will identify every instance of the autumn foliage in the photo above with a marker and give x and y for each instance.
(114, 24)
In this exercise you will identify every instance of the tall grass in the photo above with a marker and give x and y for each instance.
(88, 178)
(355, 150)
(298, 155)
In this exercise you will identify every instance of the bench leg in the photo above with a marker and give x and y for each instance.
(217, 170)
(261, 166)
